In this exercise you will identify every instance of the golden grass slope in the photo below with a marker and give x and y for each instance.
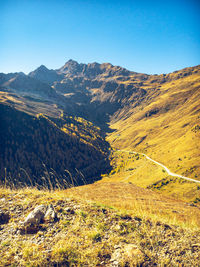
(166, 125)
(136, 169)
(139, 201)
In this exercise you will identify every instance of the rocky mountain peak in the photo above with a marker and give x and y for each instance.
(45, 75)
(71, 61)
(42, 68)
(71, 66)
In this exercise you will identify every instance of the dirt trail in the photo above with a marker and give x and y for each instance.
(163, 166)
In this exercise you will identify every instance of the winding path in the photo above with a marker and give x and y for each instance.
(163, 166)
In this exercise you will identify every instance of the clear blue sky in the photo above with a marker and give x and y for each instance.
(143, 36)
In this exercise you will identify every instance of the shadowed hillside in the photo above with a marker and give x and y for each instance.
(39, 152)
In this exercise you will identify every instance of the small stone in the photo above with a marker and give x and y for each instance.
(115, 264)
(133, 253)
(4, 217)
(116, 255)
(29, 229)
(16, 258)
(36, 216)
(131, 249)
(76, 207)
(68, 200)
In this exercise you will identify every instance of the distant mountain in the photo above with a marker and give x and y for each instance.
(91, 70)
(21, 83)
(71, 67)
(45, 75)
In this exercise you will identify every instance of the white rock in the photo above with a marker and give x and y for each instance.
(36, 215)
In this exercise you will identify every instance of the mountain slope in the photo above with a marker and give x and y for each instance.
(25, 84)
(166, 125)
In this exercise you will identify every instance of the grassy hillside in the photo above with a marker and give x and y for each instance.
(136, 169)
(142, 202)
(166, 125)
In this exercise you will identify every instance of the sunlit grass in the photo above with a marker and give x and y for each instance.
(109, 215)
(141, 202)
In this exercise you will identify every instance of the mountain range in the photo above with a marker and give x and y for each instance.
(63, 123)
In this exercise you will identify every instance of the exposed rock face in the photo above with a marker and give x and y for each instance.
(21, 83)
(71, 67)
(92, 70)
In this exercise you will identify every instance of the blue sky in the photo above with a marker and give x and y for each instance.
(143, 36)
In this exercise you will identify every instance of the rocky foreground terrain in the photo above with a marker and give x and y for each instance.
(40, 228)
